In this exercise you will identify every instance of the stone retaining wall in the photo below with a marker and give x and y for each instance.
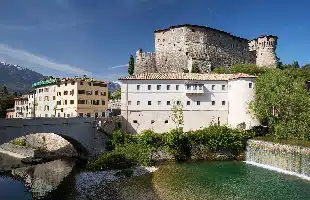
(286, 157)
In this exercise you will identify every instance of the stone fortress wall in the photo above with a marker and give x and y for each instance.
(177, 48)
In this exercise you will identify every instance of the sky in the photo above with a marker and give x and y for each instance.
(96, 37)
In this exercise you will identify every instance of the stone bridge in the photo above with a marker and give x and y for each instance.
(80, 132)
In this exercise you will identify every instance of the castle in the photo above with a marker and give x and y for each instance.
(178, 48)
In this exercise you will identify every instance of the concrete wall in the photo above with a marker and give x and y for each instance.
(241, 93)
(81, 130)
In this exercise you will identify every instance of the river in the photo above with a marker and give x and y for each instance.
(193, 180)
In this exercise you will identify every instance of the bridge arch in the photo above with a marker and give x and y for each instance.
(80, 132)
(53, 144)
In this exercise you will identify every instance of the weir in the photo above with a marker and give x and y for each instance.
(288, 159)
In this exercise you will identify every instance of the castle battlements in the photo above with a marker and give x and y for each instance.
(179, 47)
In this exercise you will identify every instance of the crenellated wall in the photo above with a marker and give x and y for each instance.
(177, 48)
(145, 62)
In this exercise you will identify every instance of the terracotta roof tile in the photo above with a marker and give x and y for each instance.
(185, 76)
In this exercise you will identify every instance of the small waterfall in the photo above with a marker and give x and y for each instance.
(288, 159)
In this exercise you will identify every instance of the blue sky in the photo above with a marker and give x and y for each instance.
(96, 37)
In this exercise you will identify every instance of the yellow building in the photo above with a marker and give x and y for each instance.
(81, 97)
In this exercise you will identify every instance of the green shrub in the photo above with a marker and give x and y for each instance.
(176, 143)
(21, 141)
(122, 157)
(150, 140)
(136, 153)
(110, 160)
(120, 139)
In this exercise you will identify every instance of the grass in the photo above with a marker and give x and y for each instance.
(270, 138)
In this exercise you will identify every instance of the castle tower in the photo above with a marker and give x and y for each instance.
(265, 47)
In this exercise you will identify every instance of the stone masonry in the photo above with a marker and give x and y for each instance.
(177, 48)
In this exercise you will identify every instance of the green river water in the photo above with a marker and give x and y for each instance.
(197, 180)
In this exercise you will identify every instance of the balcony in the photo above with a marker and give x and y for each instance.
(197, 89)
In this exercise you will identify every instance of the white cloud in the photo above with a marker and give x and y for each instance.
(118, 66)
(21, 55)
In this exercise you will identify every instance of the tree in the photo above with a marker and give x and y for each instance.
(15, 94)
(280, 65)
(281, 100)
(306, 66)
(195, 69)
(4, 91)
(6, 101)
(131, 66)
(177, 113)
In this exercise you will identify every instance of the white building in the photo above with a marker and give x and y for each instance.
(147, 100)
(45, 100)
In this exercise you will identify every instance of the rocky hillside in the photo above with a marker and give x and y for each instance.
(17, 78)
(114, 85)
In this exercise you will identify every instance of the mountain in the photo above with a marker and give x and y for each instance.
(114, 85)
(17, 78)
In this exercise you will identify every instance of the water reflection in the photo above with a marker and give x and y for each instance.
(43, 178)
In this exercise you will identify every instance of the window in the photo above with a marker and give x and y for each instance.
(95, 102)
(213, 87)
(149, 103)
(149, 87)
(195, 87)
(223, 87)
(200, 87)
(158, 102)
(188, 103)
(81, 83)
(198, 103)
(96, 92)
(81, 101)
(46, 98)
(129, 103)
(178, 103)
(168, 103)
(166, 121)
(89, 83)
(58, 102)
(188, 87)
(218, 121)
(152, 121)
(81, 91)
(88, 114)
(65, 84)
(213, 103)
(250, 85)
(73, 83)
(54, 97)
(138, 87)
(89, 92)
(45, 89)
(104, 94)
(65, 102)
(103, 102)
(138, 102)
(65, 92)
(135, 121)
(71, 101)
(177, 87)
(223, 103)
(158, 87)
(46, 115)
(80, 114)
(168, 87)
